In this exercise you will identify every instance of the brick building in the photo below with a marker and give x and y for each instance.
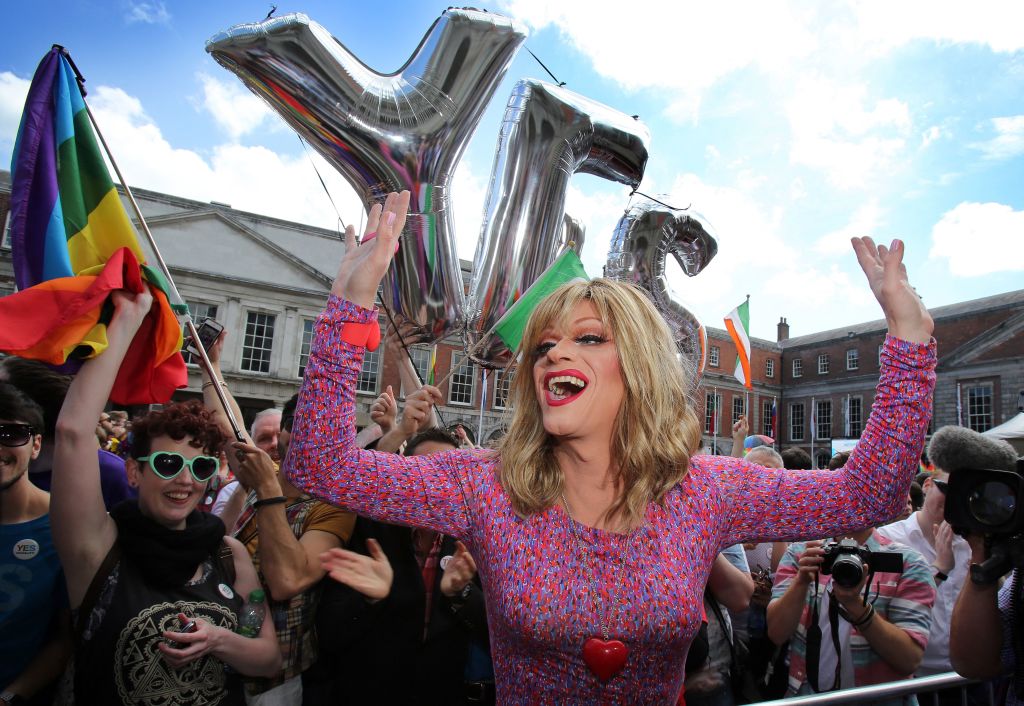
(266, 279)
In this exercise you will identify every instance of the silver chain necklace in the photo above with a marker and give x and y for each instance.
(592, 584)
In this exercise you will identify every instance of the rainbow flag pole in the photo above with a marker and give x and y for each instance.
(177, 302)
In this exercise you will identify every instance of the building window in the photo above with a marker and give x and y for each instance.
(368, 374)
(769, 368)
(460, 390)
(198, 311)
(712, 403)
(501, 388)
(880, 356)
(420, 358)
(798, 368)
(796, 422)
(979, 407)
(855, 414)
(852, 359)
(823, 419)
(738, 408)
(766, 419)
(823, 364)
(307, 341)
(258, 342)
(823, 458)
(713, 355)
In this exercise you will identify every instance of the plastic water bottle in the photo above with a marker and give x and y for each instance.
(250, 620)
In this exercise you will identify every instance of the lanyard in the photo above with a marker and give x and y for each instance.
(814, 641)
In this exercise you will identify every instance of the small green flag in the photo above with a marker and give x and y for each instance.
(566, 268)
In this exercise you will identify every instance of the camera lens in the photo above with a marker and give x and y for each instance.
(992, 503)
(848, 570)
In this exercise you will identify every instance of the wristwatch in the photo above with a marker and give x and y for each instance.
(459, 599)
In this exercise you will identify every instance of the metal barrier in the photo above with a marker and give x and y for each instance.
(881, 692)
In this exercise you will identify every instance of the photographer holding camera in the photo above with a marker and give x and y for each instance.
(986, 483)
(856, 612)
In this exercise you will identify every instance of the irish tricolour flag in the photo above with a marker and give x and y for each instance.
(738, 325)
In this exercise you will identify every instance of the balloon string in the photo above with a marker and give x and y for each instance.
(408, 353)
(636, 191)
(553, 77)
(310, 158)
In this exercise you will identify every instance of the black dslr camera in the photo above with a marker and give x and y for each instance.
(845, 561)
(990, 503)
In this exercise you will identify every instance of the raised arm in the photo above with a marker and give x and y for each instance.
(323, 459)
(82, 531)
(766, 504)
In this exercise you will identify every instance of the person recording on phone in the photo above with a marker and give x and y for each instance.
(856, 611)
(982, 502)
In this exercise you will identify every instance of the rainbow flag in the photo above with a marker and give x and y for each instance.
(73, 243)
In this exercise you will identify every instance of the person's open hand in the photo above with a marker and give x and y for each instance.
(365, 263)
(904, 311)
(369, 575)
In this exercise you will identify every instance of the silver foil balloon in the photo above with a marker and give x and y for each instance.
(387, 132)
(549, 133)
(646, 235)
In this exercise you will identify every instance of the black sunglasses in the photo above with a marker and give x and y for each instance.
(942, 485)
(168, 464)
(14, 434)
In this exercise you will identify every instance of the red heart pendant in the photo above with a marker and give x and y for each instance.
(605, 658)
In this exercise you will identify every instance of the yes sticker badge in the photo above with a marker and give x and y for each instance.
(226, 591)
(26, 549)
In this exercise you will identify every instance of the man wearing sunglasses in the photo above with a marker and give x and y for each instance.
(35, 638)
(949, 556)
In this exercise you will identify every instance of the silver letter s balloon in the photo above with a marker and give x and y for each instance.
(549, 133)
(387, 132)
(644, 237)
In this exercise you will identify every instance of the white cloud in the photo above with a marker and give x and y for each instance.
(249, 178)
(931, 135)
(1009, 139)
(235, 108)
(13, 91)
(865, 221)
(146, 12)
(993, 23)
(685, 47)
(840, 131)
(979, 239)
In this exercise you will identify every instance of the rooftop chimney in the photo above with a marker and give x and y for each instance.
(783, 329)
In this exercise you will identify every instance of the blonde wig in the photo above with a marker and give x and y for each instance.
(656, 431)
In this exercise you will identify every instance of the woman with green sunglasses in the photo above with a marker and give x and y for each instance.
(137, 575)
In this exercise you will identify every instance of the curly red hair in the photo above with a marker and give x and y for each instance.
(177, 421)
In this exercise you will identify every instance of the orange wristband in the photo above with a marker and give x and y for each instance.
(366, 335)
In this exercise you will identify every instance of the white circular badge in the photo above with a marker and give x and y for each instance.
(444, 562)
(226, 591)
(26, 549)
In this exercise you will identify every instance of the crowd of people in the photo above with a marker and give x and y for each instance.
(593, 555)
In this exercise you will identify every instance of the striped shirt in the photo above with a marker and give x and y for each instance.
(905, 600)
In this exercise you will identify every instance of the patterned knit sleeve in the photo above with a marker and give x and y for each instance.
(324, 460)
(758, 504)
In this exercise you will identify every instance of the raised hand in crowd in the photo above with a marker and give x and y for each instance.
(384, 410)
(944, 558)
(460, 571)
(364, 264)
(416, 416)
(255, 470)
(739, 436)
(905, 313)
(369, 575)
(463, 437)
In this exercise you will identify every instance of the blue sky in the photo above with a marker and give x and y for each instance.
(789, 125)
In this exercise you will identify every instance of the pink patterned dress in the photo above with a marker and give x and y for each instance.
(540, 605)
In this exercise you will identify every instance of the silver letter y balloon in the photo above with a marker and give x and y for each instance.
(387, 132)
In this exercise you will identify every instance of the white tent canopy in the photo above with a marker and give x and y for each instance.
(1012, 431)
